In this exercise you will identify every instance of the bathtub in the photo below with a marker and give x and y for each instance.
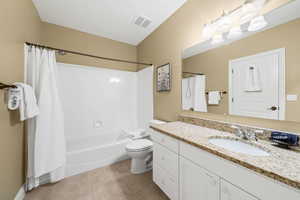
(85, 154)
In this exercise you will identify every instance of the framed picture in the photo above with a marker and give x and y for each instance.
(163, 78)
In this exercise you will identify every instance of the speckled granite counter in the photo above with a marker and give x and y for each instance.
(282, 165)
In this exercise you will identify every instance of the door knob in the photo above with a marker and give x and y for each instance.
(273, 108)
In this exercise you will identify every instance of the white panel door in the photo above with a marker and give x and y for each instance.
(267, 101)
(231, 192)
(196, 183)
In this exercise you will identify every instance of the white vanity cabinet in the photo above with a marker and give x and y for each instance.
(165, 164)
(197, 183)
(231, 192)
(186, 172)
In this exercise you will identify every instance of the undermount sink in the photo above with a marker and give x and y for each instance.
(238, 146)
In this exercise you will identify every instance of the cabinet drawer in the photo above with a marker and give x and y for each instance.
(164, 180)
(167, 160)
(167, 141)
(231, 192)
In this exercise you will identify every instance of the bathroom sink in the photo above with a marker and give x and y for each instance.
(238, 146)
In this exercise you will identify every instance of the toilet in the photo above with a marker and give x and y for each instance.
(140, 149)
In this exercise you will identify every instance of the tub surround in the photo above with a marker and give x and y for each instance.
(282, 165)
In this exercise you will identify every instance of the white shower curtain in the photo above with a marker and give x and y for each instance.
(46, 138)
(193, 93)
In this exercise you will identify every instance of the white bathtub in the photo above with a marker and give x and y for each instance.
(91, 153)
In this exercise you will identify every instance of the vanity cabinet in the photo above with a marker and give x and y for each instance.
(186, 172)
(197, 183)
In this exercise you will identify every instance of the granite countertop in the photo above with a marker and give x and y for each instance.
(282, 165)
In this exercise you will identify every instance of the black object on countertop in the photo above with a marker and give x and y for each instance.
(285, 138)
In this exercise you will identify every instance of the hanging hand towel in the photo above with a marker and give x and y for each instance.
(214, 97)
(253, 83)
(28, 105)
(187, 85)
(199, 94)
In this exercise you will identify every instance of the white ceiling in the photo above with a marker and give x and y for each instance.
(108, 18)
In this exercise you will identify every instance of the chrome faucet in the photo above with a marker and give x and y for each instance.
(241, 132)
(246, 134)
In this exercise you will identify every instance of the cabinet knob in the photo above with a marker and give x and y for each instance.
(273, 108)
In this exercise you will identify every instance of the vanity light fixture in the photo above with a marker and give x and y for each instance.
(257, 23)
(231, 22)
(235, 32)
(224, 23)
(217, 38)
(207, 32)
(248, 11)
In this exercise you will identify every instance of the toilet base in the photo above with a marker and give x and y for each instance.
(139, 166)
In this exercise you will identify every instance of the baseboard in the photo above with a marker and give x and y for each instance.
(21, 194)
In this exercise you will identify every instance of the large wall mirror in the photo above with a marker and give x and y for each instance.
(245, 71)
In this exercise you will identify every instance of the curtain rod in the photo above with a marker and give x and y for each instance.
(88, 55)
(192, 73)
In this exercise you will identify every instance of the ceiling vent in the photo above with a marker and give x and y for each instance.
(143, 22)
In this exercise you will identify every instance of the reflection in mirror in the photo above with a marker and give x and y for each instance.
(256, 75)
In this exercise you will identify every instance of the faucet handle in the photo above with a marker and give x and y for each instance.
(259, 131)
(239, 131)
(234, 126)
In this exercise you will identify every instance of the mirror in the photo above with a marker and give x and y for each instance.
(256, 74)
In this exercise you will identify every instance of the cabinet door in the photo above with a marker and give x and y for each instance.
(231, 192)
(196, 183)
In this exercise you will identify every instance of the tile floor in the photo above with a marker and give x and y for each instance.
(113, 182)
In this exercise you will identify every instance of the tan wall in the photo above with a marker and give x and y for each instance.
(214, 63)
(19, 23)
(182, 30)
(69, 39)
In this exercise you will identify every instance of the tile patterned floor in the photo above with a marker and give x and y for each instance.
(114, 182)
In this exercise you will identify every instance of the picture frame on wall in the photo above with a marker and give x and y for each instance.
(163, 78)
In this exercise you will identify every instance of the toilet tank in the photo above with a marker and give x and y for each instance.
(141, 133)
(155, 121)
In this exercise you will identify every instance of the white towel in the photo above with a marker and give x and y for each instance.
(28, 105)
(187, 91)
(214, 97)
(200, 97)
(193, 93)
(253, 83)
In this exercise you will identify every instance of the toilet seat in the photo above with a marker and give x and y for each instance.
(139, 145)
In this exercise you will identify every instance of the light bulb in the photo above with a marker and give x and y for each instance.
(224, 23)
(207, 32)
(217, 38)
(235, 32)
(248, 12)
(257, 23)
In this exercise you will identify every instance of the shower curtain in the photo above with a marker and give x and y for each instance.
(46, 138)
(193, 93)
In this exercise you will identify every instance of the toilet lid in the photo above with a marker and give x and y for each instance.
(139, 145)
